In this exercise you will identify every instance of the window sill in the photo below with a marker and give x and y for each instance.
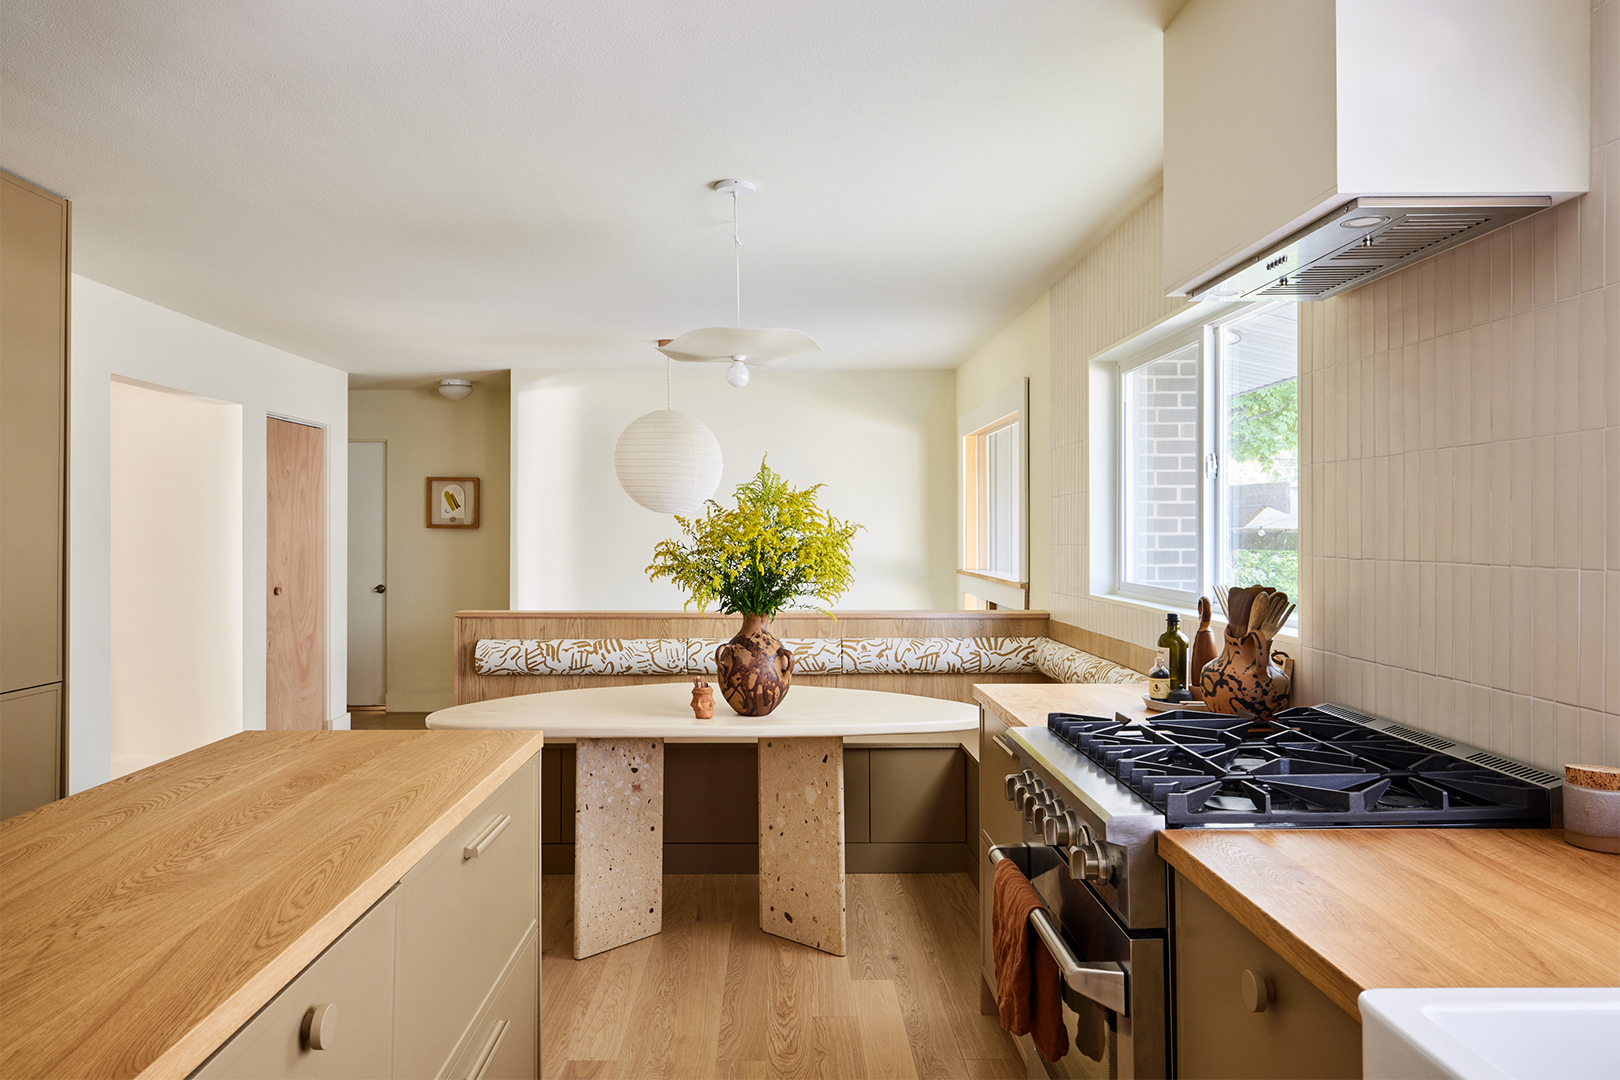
(1010, 582)
(1287, 640)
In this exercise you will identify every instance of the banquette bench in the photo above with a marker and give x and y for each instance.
(910, 806)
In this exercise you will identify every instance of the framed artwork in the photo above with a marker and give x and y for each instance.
(452, 502)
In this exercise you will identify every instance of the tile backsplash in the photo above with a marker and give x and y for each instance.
(1460, 441)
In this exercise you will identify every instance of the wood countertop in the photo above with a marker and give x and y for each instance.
(1364, 909)
(145, 920)
(1026, 704)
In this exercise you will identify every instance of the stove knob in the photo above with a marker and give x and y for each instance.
(1030, 794)
(1063, 829)
(1012, 783)
(1092, 862)
(1045, 810)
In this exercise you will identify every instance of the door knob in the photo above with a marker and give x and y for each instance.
(379, 588)
(277, 590)
(318, 1027)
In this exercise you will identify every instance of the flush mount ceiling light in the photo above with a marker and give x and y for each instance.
(666, 461)
(737, 345)
(455, 389)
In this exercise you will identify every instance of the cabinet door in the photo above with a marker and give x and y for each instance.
(460, 919)
(354, 978)
(505, 1042)
(1300, 1033)
(33, 398)
(999, 821)
(30, 748)
(918, 796)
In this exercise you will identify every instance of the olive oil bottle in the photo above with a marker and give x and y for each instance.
(1174, 645)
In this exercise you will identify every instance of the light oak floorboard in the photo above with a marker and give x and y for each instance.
(714, 996)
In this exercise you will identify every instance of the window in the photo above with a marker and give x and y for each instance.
(1208, 459)
(994, 463)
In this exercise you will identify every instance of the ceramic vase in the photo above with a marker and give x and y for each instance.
(1246, 678)
(755, 668)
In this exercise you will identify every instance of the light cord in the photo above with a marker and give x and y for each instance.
(669, 366)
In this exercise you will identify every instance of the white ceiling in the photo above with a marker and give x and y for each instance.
(414, 189)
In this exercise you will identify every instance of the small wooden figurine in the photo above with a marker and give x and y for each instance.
(1203, 650)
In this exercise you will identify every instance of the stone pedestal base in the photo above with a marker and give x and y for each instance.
(801, 841)
(618, 843)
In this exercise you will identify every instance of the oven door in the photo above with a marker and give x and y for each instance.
(1113, 981)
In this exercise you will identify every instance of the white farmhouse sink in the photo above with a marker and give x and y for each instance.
(1491, 1034)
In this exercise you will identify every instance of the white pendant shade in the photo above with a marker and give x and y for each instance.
(720, 344)
(668, 462)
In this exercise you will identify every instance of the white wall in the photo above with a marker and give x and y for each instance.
(117, 334)
(881, 441)
(176, 574)
(1023, 349)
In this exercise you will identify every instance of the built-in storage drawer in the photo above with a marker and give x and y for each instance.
(463, 910)
(1243, 1011)
(334, 1020)
(505, 1042)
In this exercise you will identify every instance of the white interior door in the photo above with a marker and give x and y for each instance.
(368, 566)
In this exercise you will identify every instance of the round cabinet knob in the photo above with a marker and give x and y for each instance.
(379, 588)
(1256, 990)
(317, 1029)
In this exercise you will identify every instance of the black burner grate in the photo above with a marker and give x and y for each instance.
(1305, 768)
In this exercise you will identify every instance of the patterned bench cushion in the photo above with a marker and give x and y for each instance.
(812, 656)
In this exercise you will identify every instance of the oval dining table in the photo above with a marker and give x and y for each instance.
(619, 732)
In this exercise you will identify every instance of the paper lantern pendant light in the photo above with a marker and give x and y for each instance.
(667, 461)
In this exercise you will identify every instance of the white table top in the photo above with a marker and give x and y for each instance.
(664, 711)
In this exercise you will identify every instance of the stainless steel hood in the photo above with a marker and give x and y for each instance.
(1363, 240)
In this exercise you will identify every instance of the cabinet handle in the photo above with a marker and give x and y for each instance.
(480, 1064)
(1256, 990)
(317, 1027)
(1006, 748)
(486, 838)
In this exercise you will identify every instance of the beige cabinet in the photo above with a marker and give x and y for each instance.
(1242, 1011)
(999, 821)
(440, 979)
(34, 264)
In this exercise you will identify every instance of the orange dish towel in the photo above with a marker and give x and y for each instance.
(1027, 981)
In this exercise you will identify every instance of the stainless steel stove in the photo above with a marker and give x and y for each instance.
(1095, 791)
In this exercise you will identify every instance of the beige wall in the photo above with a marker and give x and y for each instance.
(435, 572)
(1460, 431)
(1022, 350)
(176, 603)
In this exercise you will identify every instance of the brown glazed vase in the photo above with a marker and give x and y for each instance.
(1245, 678)
(756, 669)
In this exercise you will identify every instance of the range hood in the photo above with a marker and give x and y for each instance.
(1362, 240)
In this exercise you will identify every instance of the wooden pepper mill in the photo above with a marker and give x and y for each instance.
(702, 699)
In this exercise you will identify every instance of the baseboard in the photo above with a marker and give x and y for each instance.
(413, 701)
(744, 859)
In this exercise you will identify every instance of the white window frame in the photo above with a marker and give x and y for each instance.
(1011, 405)
(1200, 326)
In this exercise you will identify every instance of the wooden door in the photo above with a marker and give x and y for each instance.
(295, 601)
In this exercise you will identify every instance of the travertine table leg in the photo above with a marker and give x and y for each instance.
(801, 841)
(618, 842)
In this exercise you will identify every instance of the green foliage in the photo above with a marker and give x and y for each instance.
(1279, 569)
(1263, 428)
(776, 546)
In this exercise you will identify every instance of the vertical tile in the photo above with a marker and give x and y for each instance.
(1412, 516)
(1464, 380)
(1567, 258)
(1568, 735)
(1427, 394)
(1534, 509)
(1506, 410)
(1462, 287)
(1611, 213)
(1400, 401)
(1462, 465)
(1486, 527)
(1543, 285)
(1380, 402)
(1564, 381)
(1501, 244)
(1397, 506)
(1544, 635)
(1380, 306)
(1591, 498)
(1590, 640)
(1521, 635)
(1413, 413)
(1421, 645)
(1480, 278)
(1540, 378)
(1566, 484)
(1595, 377)
(1423, 276)
(1427, 507)
(1500, 673)
(1444, 495)
(1544, 736)
(1522, 737)
(1521, 385)
(1592, 228)
(1610, 365)
(1593, 752)
(1515, 462)
(1567, 631)
(1353, 407)
(1611, 496)
(1444, 266)
(1444, 607)
(1501, 723)
(1611, 641)
(1521, 246)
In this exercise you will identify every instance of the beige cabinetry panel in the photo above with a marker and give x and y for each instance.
(505, 1042)
(999, 821)
(460, 920)
(30, 748)
(1300, 1032)
(918, 796)
(352, 982)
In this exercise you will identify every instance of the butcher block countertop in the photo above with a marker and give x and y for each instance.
(1026, 704)
(145, 920)
(1364, 909)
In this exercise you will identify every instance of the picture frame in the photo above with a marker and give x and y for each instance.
(452, 502)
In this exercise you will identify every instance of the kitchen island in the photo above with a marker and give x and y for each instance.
(145, 921)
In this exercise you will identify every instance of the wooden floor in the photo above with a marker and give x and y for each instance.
(714, 996)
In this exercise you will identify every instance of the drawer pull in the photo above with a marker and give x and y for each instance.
(1256, 990)
(480, 1064)
(317, 1027)
(1006, 747)
(486, 838)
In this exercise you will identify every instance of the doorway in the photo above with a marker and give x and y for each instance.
(295, 579)
(368, 574)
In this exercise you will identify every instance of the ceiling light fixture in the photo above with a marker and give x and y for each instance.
(737, 345)
(455, 389)
(666, 461)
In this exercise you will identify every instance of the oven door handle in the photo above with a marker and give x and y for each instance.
(1106, 982)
